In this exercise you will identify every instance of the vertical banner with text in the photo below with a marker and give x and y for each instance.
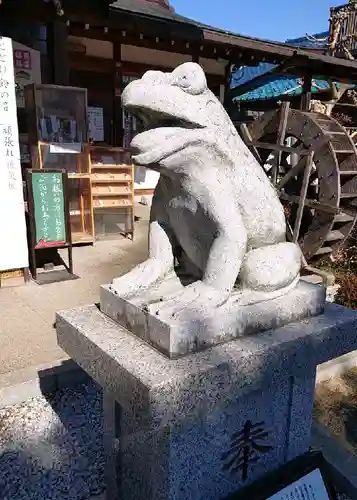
(13, 236)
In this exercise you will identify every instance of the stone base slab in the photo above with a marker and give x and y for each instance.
(177, 338)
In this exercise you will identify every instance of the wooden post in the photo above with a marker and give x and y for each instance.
(306, 95)
(284, 115)
(303, 194)
(58, 48)
(117, 90)
(227, 85)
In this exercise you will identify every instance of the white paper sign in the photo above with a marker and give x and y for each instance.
(96, 124)
(13, 237)
(66, 148)
(309, 487)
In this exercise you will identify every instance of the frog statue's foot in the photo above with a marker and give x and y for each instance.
(197, 296)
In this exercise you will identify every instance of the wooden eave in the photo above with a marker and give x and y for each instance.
(208, 42)
(296, 61)
(183, 36)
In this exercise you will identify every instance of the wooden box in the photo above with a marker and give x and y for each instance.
(112, 179)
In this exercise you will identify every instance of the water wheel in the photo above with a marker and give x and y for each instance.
(312, 162)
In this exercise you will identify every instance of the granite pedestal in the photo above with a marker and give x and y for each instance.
(204, 425)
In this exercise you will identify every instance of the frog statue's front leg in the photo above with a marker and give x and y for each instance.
(155, 268)
(222, 268)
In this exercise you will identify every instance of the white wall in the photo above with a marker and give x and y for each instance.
(145, 178)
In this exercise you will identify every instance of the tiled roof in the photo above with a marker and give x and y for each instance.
(153, 10)
(157, 11)
(316, 41)
(279, 85)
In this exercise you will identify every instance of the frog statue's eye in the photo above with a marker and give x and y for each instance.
(190, 78)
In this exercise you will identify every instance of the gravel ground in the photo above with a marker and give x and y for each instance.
(52, 450)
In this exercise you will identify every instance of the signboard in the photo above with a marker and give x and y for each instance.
(27, 69)
(304, 478)
(309, 487)
(13, 235)
(48, 209)
(96, 124)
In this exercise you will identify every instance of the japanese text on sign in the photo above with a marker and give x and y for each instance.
(14, 254)
(22, 59)
(309, 487)
(48, 196)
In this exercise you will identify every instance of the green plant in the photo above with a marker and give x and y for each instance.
(346, 258)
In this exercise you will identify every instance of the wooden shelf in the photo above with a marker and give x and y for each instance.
(81, 238)
(109, 194)
(112, 188)
(112, 181)
(112, 204)
(79, 176)
(74, 213)
(106, 190)
(111, 166)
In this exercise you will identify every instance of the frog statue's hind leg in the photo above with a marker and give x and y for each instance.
(268, 272)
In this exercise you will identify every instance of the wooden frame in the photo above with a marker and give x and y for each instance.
(32, 221)
(30, 90)
(81, 159)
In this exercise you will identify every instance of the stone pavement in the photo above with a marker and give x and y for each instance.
(27, 312)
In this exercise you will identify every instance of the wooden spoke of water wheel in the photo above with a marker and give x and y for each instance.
(312, 162)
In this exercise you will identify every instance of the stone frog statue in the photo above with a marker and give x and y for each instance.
(214, 210)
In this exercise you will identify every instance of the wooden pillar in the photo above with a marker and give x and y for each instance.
(117, 90)
(222, 91)
(306, 93)
(58, 51)
(227, 85)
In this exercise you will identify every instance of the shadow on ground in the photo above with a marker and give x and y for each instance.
(51, 447)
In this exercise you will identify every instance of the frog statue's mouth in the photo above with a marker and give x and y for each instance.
(153, 119)
(163, 135)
